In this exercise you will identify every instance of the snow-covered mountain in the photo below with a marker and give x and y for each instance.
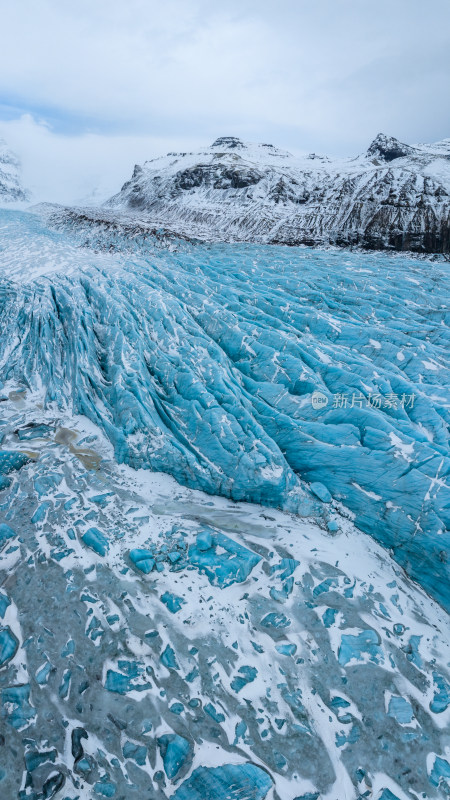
(11, 189)
(393, 196)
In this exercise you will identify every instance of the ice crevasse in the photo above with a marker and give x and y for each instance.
(202, 360)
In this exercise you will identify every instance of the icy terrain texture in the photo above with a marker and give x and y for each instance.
(203, 362)
(394, 196)
(158, 643)
(11, 188)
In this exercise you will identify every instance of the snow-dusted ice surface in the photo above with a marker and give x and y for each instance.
(256, 656)
(203, 363)
(158, 641)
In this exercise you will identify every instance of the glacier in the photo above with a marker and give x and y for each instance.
(224, 510)
(203, 362)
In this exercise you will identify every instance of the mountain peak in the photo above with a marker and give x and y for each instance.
(228, 142)
(7, 156)
(236, 190)
(388, 148)
(11, 190)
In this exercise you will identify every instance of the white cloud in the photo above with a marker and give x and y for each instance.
(324, 75)
(67, 169)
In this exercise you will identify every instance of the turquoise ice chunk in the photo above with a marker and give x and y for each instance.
(245, 675)
(286, 649)
(204, 540)
(44, 484)
(41, 511)
(96, 541)
(135, 752)
(34, 758)
(321, 491)
(6, 533)
(239, 732)
(5, 602)
(217, 716)
(101, 499)
(52, 785)
(441, 699)
(64, 686)
(347, 738)
(68, 649)
(286, 568)
(168, 658)
(243, 781)
(105, 788)
(22, 712)
(339, 702)
(440, 772)
(43, 673)
(329, 617)
(275, 620)
(118, 683)
(412, 651)
(172, 601)
(143, 560)
(9, 645)
(233, 563)
(33, 431)
(324, 586)
(11, 460)
(401, 710)
(354, 647)
(174, 750)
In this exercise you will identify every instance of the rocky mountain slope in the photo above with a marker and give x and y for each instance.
(11, 189)
(394, 196)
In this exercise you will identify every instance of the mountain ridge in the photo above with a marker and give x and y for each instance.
(393, 196)
(11, 189)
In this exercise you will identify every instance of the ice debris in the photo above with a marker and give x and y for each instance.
(224, 561)
(96, 541)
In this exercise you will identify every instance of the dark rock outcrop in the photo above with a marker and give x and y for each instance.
(388, 148)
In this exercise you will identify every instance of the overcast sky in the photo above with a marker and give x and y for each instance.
(88, 88)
